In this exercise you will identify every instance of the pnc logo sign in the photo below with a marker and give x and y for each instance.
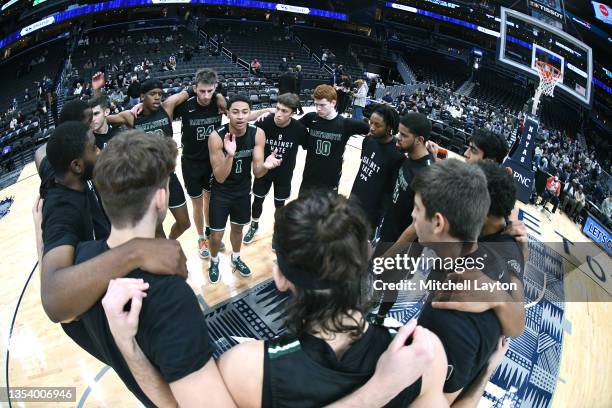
(522, 180)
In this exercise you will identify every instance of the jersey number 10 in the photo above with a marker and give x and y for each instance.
(323, 147)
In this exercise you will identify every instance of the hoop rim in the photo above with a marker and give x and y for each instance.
(548, 72)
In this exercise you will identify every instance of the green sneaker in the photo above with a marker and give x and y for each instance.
(241, 267)
(248, 237)
(213, 272)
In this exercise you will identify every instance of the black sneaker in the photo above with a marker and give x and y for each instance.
(214, 276)
(248, 237)
(241, 267)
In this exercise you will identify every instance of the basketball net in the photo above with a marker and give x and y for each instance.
(549, 78)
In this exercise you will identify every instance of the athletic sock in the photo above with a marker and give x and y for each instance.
(215, 259)
(202, 237)
(255, 223)
(235, 255)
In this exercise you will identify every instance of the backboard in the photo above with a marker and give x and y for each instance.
(525, 40)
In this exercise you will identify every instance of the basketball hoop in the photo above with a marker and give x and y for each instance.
(549, 78)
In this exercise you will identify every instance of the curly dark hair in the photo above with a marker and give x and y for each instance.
(324, 236)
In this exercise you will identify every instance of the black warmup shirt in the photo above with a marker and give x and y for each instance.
(398, 216)
(102, 139)
(374, 181)
(157, 122)
(198, 122)
(172, 331)
(469, 339)
(286, 141)
(306, 372)
(238, 182)
(325, 145)
(70, 216)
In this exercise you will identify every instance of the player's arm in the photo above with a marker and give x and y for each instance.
(173, 101)
(244, 358)
(508, 306)
(221, 103)
(408, 236)
(220, 161)
(432, 386)
(122, 118)
(261, 165)
(257, 113)
(69, 290)
(472, 395)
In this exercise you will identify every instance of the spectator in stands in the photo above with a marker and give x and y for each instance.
(283, 66)
(287, 82)
(78, 89)
(359, 102)
(324, 58)
(26, 95)
(116, 96)
(299, 79)
(568, 195)
(255, 66)
(388, 98)
(579, 203)
(133, 92)
(553, 189)
(13, 123)
(538, 156)
(20, 118)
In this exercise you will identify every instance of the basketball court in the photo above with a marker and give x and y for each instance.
(562, 359)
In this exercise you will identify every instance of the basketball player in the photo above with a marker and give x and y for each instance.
(102, 131)
(71, 213)
(200, 114)
(450, 205)
(414, 131)
(485, 144)
(156, 118)
(380, 161)
(283, 134)
(328, 134)
(233, 148)
(508, 308)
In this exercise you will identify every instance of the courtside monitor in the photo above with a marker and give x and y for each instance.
(525, 40)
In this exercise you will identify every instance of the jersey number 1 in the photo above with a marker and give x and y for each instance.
(323, 147)
(238, 166)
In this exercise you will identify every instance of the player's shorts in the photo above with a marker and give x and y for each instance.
(262, 185)
(177, 196)
(197, 175)
(222, 205)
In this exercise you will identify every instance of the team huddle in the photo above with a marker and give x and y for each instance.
(118, 286)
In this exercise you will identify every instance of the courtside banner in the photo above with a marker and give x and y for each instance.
(521, 160)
